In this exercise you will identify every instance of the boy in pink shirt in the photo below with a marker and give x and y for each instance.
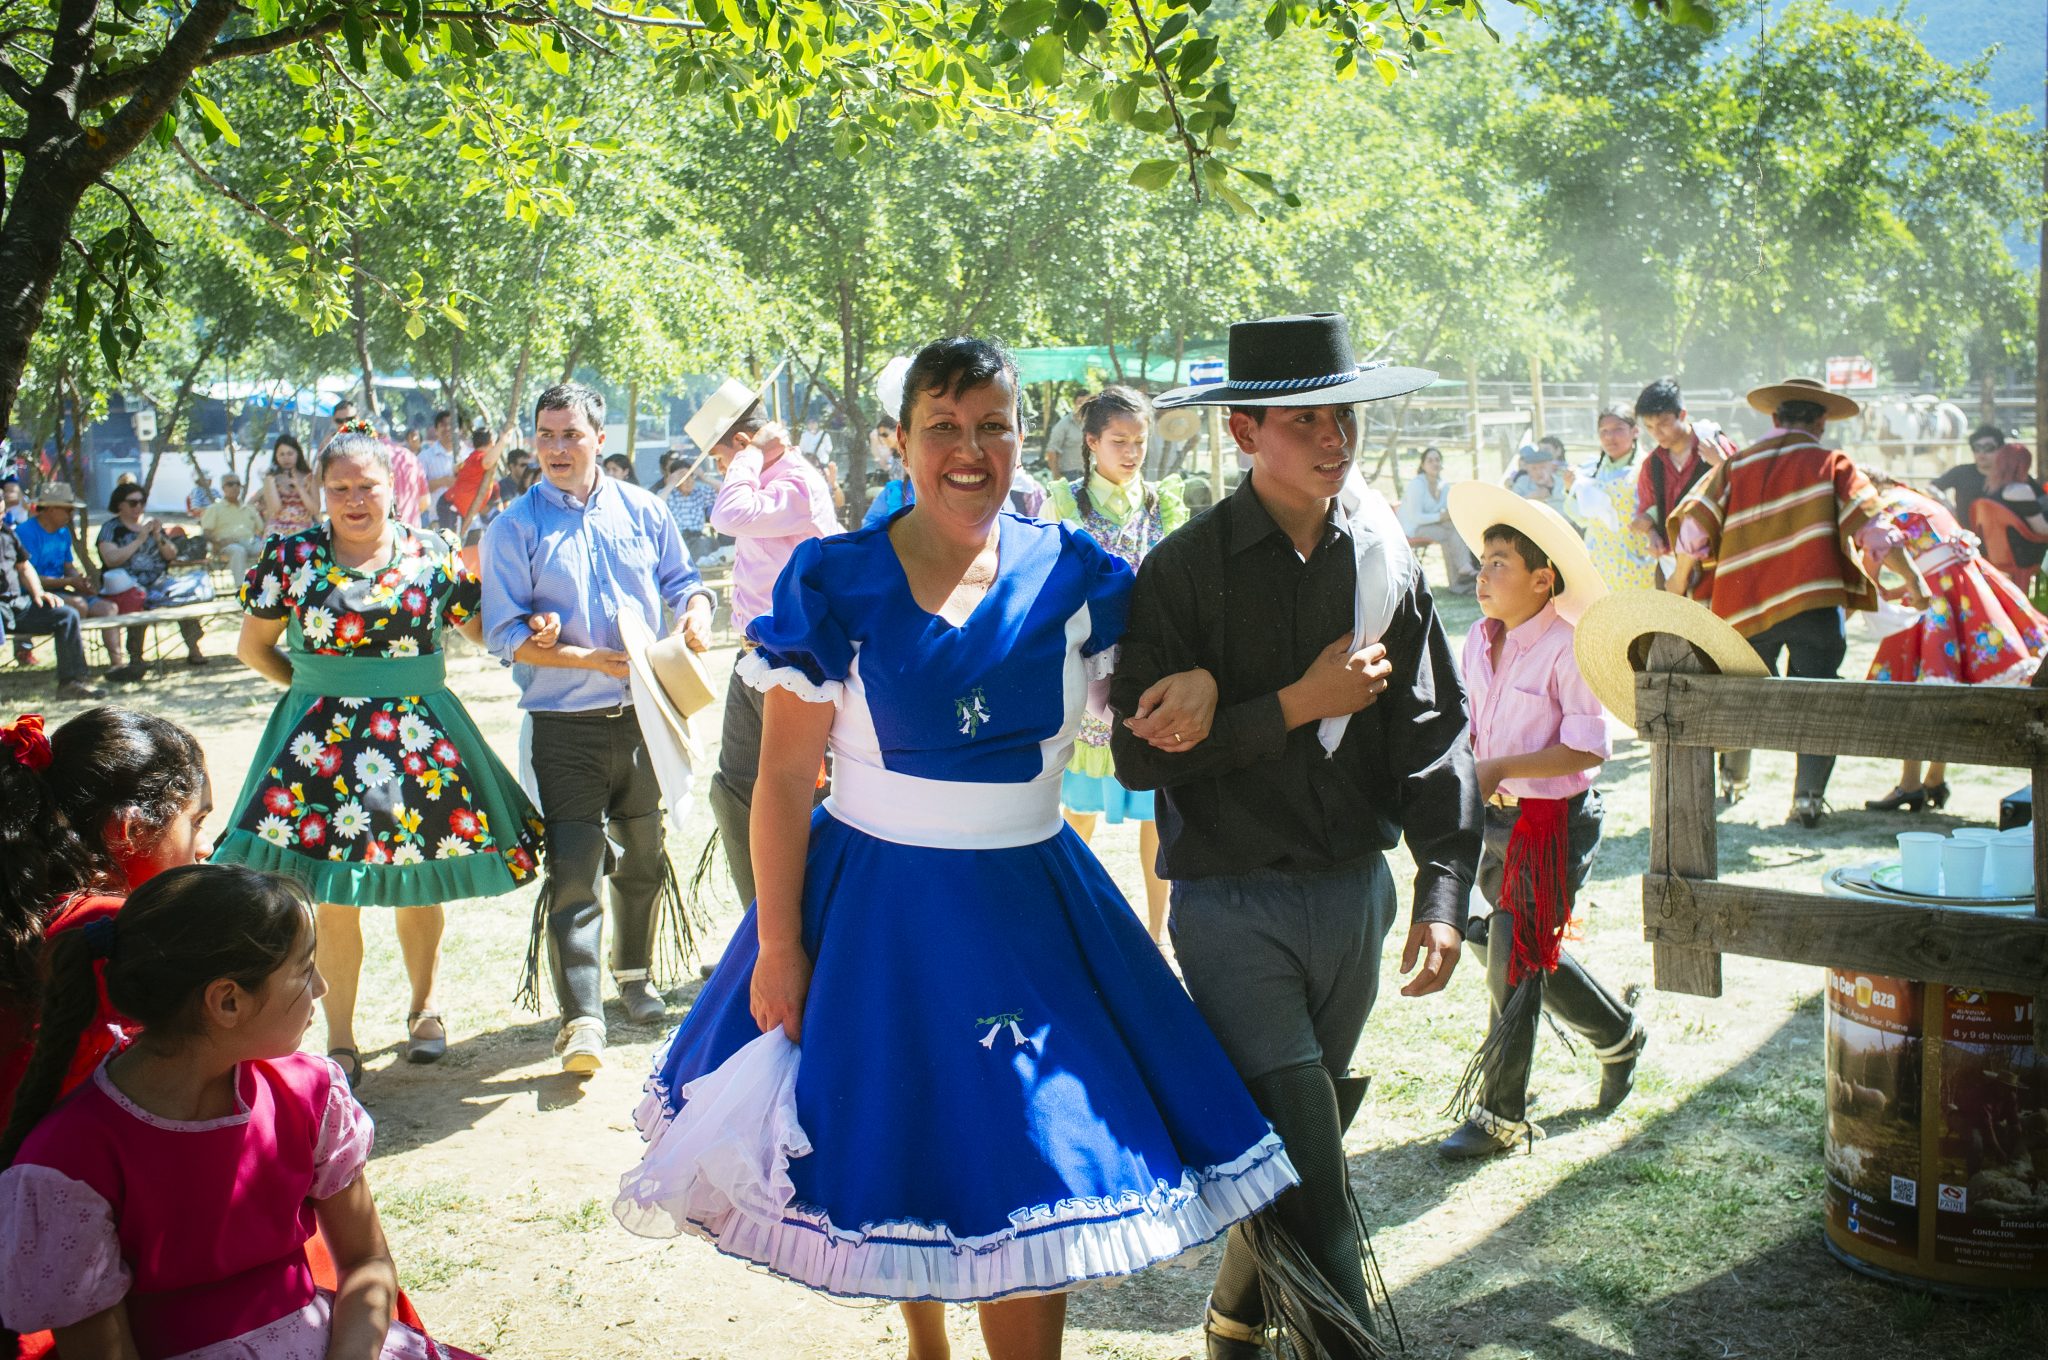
(771, 500)
(1539, 737)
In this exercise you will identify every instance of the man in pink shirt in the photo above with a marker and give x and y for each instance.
(1539, 737)
(772, 499)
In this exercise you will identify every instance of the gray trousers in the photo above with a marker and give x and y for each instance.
(602, 807)
(1571, 994)
(56, 618)
(732, 784)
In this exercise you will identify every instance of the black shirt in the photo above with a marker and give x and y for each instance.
(1964, 486)
(12, 555)
(1228, 593)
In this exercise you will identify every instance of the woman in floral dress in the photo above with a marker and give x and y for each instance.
(372, 786)
(1978, 628)
(1601, 500)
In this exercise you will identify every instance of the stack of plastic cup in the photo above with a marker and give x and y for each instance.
(1920, 862)
(2011, 859)
(1962, 866)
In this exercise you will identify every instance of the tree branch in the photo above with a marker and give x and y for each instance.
(154, 96)
(1180, 128)
(12, 85)
(101, 89)
(619, 16)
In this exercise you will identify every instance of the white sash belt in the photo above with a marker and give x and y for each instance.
(941, 813)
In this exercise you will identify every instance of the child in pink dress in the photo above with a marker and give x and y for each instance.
(163, 1208)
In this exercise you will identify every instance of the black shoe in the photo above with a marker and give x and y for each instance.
(1472, 1140)
(1903, 800)
(1807, 809)
(1937, 794)
(644, 1005)
(128, 675)
(1618, 1072)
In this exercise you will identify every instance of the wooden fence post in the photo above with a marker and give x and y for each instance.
(1683, 835)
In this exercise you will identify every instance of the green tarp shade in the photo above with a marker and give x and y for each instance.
(1091, 364)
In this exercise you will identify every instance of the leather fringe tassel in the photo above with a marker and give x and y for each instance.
(1301, 1307)
(1527, 994)
(528, 996)
(679, 925)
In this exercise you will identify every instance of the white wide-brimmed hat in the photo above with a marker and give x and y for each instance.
(1614, 633)
(719, 413)
(670, 685)
(1478, 506)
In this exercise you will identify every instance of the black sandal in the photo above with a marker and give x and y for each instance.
(351, 1064)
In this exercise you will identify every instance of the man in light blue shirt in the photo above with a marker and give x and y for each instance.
(559, 567)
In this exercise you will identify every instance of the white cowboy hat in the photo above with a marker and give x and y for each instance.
(889, 386)
(1478, 506)
(1614, 631)
(719, 413)
(670, 686)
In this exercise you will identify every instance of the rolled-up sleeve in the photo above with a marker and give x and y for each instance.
(1431, 754)
(506, 559)
(1583, 723)
(749, 508)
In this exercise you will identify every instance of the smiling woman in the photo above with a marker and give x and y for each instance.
(371, 784)
(944, 658)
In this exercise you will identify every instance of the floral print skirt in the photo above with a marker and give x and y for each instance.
(383, 800)
(1978, 630)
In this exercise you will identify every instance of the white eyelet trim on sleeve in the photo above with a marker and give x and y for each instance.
(755, 670)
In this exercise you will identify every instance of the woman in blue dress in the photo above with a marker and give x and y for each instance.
(1000, 1090)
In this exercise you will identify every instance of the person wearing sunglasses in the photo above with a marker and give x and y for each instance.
(135, 555)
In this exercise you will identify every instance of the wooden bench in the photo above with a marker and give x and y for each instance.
(151, 619)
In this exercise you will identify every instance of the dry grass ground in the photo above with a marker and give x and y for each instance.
(1686, 1224)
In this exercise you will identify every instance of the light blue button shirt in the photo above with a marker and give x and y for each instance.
(588, 561)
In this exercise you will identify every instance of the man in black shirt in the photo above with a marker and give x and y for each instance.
(1964, 483)
(1339, 727)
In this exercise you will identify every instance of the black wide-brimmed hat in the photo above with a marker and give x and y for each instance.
(1298, 361)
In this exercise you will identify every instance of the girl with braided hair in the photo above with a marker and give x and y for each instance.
(113, 1200)
(88, 813)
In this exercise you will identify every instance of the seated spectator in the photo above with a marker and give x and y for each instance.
(513, 483)
(1424, 517)
(202, 493)
(27, 609)
(2012, 486)
(13, 505)
(1535, 477)
(233, 528)
(1964, 483)
(133, 546)
(689, 487)
(47, 539)
(620, 466)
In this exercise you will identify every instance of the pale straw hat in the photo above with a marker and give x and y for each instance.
(1613, 642)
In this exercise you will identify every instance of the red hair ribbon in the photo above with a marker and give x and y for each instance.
(25, 741)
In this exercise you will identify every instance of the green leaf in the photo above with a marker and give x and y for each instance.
(1046, 59)
(1196, 57)
(1154, 174)
(551, 52)
(415, 326)
(1176, 24)
(1276, 19)
(1023, 18)
(1123, 101)
(357, 35)
(301, 75)
(215, 119)
(397, 60)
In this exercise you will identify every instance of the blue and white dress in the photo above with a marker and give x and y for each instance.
(1001, 1089)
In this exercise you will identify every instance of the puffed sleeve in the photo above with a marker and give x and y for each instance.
(346, 1134)
(1060, 503)
(465, 588)
(799, 645)
(1173, 503)
(1108, 582)
(63, 1252)
(264, 590)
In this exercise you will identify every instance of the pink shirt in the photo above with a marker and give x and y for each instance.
(1536, 699)
(408, 485)
(768, 514)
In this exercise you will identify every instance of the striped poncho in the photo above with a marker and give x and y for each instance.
(1775, 528)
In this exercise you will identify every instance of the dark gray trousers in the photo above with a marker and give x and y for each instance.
(61, 622)
(1812, 644)
(602, 807)
(1571, 993)
(732, 784)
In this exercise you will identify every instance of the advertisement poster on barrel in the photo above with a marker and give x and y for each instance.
(1991, 1207)
(1874, 1097)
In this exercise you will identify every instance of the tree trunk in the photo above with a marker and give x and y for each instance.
(454, 396)
(62, 159)
(1606, 365)
(181, 403)
(359, 310)
(849, 406)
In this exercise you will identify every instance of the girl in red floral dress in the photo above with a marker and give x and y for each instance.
(1978, 629)
(372, 786)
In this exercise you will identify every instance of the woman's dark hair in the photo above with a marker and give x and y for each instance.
(183, 929)
(291, 442)
(1112, 403)
(1533, 557)
(122, 493)
(621, 462)
(1661, 397)
(1798, 413)
(946, 368)
(106, 762)
(1425, 455)
(366, 448)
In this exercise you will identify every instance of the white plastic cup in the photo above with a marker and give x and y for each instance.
(1920, 862)
(1962, 868)
(2012, 867)
(1974, 833)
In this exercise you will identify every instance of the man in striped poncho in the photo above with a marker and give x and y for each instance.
(1767, 540)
